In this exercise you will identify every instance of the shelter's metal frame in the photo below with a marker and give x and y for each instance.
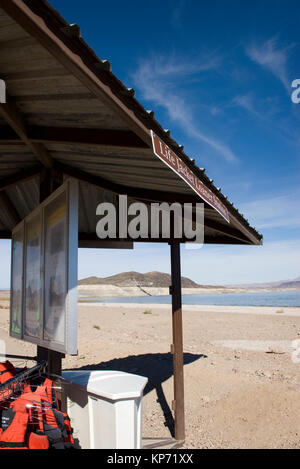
(67, 114)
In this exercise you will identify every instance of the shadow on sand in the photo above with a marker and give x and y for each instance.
(157, 367)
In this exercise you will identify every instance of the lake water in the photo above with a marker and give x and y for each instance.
(280, 299)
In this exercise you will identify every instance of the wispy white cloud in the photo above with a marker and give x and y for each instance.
(176, 13)
(279, 211)
(268, 111)
(272, 57)
(160, 78)
(247, 102)
(214, 110)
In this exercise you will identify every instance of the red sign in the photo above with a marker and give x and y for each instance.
(164, 153)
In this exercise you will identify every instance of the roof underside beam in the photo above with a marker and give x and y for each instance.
(5, 234)
(142, 194)
(91, 240)
(208, 239)
(225, 230)
(150, 195)
(82, 136)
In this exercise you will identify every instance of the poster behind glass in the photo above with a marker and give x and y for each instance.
(55, 269)
(33, 284)
(17, 282)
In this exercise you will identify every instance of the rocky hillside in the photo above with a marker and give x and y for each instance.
(133, 279)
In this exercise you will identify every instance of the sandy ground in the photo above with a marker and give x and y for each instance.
(242, 387)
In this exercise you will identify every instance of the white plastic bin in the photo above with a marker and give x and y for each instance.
(105, 408)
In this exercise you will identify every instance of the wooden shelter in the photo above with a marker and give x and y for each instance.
(67, 114)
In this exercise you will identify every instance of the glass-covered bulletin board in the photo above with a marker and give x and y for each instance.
(44, 273)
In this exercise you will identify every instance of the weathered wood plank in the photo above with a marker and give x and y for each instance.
(107, 137)
(147, 183)
(30, 52)
(160, 174)
(22, 42)
(64, 104)
(31, 75)
(19, 177)
(108, 159)
(12, 215)
(86, 150)
(70, 119)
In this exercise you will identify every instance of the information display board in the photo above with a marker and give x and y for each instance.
(44, 273)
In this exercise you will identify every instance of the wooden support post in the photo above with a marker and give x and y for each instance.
(42, 354)
(55, 362)
(177, 348)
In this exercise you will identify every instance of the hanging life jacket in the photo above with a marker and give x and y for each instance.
(35, 421)
(52, 423)
(46, 391)
(7, 371)
(19, 431)
(55, 419)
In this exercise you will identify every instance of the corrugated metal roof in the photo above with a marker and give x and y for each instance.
(47, 94)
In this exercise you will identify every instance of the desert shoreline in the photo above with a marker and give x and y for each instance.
(113, 291)
(257, 310)
(242, 387)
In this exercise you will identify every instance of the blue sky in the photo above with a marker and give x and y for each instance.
(218, 75)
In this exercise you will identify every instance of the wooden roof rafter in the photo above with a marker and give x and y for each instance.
(13, 117)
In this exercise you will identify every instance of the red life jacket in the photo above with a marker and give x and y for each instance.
(33, 420)
(68, 437)
(48, 420)
(7, 371)
(20, 431)
(51, 393)
(55, 419)
(15, 434)
(46, 391)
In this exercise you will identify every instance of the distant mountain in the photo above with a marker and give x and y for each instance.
(291, 284)
(163, 280)
(280, 284)
(133, 279)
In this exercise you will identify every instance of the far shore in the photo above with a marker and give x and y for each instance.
(113, 291)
